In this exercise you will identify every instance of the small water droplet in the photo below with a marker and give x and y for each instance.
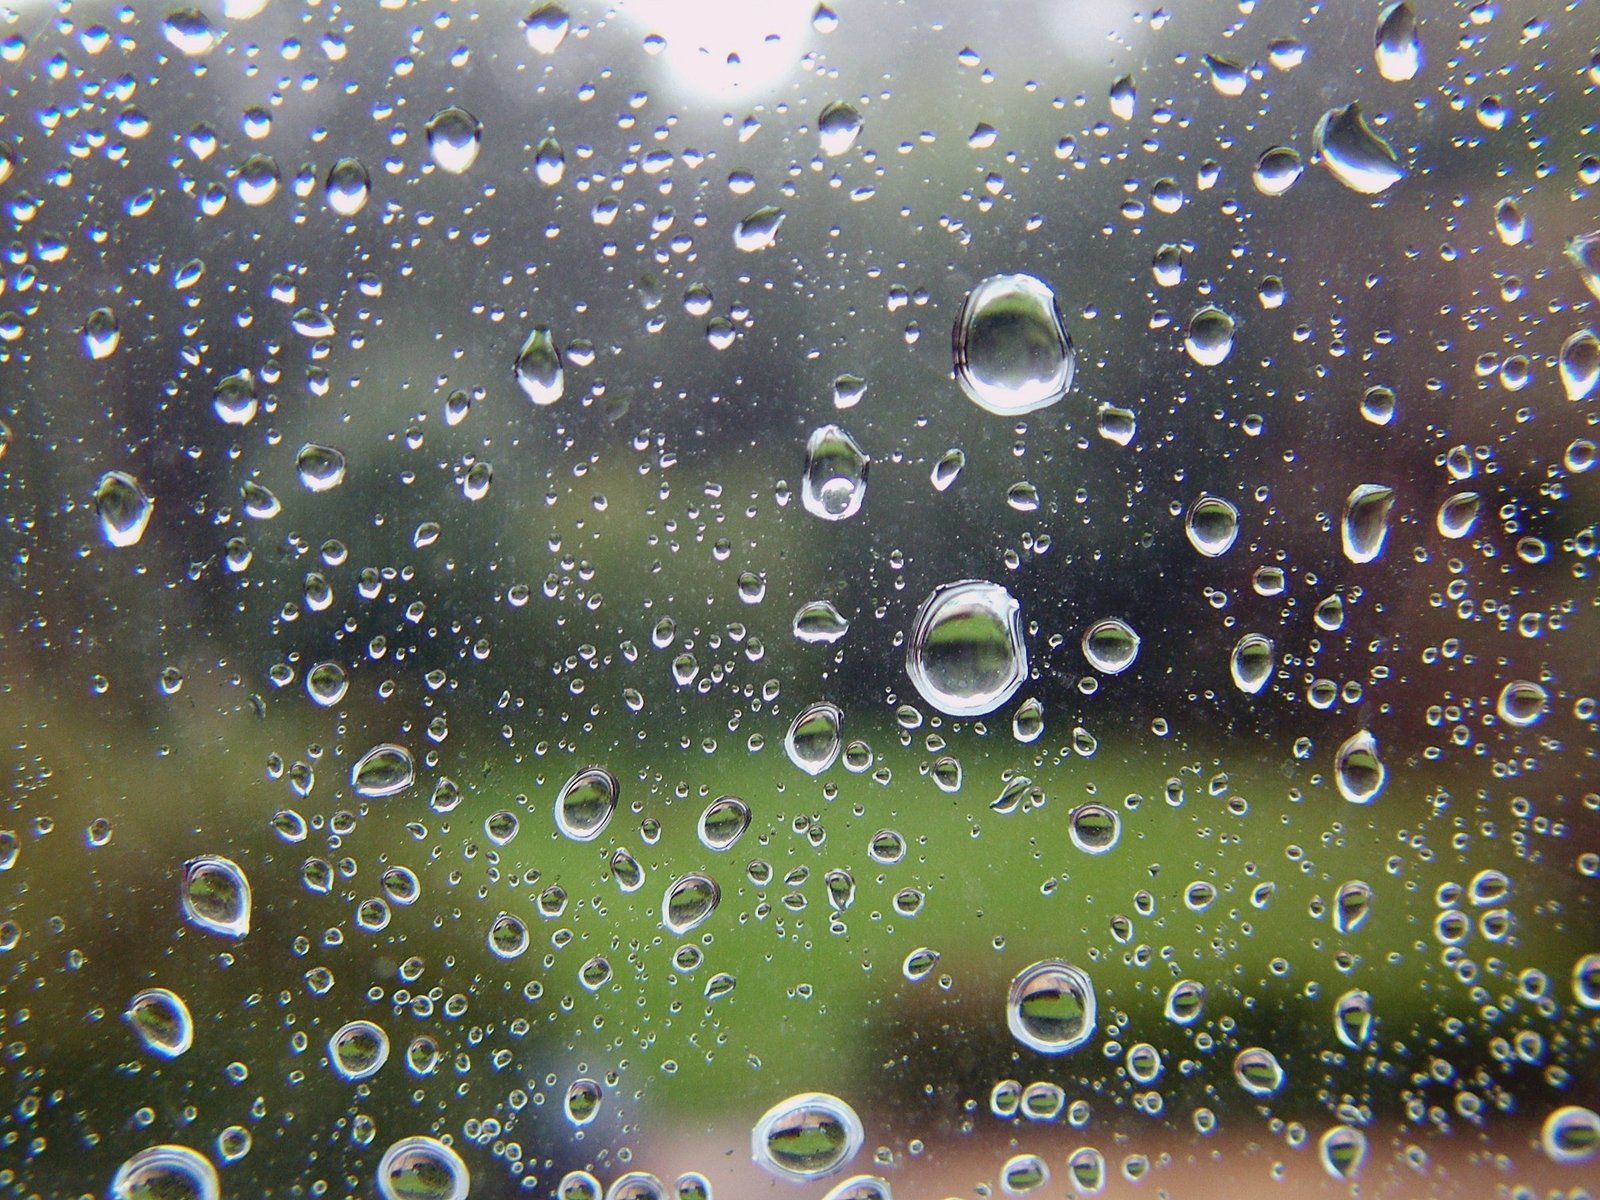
(234, 399)
(1580, 364)
(101, 334)
(1277, 170)
(1094, 828)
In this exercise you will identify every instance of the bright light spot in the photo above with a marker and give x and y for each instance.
(726, 47)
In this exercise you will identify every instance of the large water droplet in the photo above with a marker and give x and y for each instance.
(1352, 1018)
(385, 770)
(809, 1136)
(1342, 1150)
(820, 623)
(166, 1173)
(1210, 336)
(965, 655)
(188, 30)
(549, 162)
(1580, 364)
(723, 823)
(327, 683)
(586, 803)
(1258, 1071)
(1087, 1166)
(123, 507)
(1251, 663)
(838, 127)
(1366, 522)
(1352, 906)
(1357, 769)
(1277, 170)
(162, 1021)
(1013, 354)
(1354, 153)
(234, 400)
(759, 231)
(948, 469)
(835, 480)
(1051, 1007)
(1110, 646)
(454, 136)
(546, 28)
(1186, 1001)
(348, 187)
(538, 369)
(358, 1050)
(1212, 524)
(216, 895)
(321, 468)
(1397, 48)
(583, 1102)
(1522, 702)
(101, 334)
(422, 1168)
(1583, 251)
(1459, 514)
(689, 902)
(812, 742)
(508, 936)
(1571, 1134)
(1094, 828)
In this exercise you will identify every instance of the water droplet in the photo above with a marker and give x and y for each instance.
(966, 655)
(188, 30)
(1186, 1001)
(1013, 354)
(1377, 405)
(1352, 906)
(1366, 522)
(586, 803)
(1277, 170)
(1342, 1150)
(1586, 981)
(848, 390)
(422, 1168)
(1352, 1018)
(812, 742)
(1580, 364)
(1027, 723)
(1023, 1174)
(1583, 251)
(1251, 663)
(1459, 514)
(508, 936)
(838, 127)
(806, 1137)
(820, 623)
(1258, 1071)
(582, 1103)
(101, 334)
(1522, 702)
(258, 180)
(1051, 1007)
(1571, 1134)
(166, 1173)
(216, 896)
(321, 468)
(1123, 97)
(162, 1021)
(348, 187)
(1094, 828)
(1397, 48)
(861, 1187)
(546, 28)
(454, 136)
(123, 507)
(538, 369)
(1510, 222)
(1354, 153)
(759, 231)
(358, 1050)
(1357, 770)
(636, 1185)
(723, 823)
(689, 902)
(1210, 336)
(1110, 645)
(234, 400)
(1117, 425)
(326, 683)
(835, 481)
(1212, 524)
(385, 770)
(549, 162)
(948, 469)
(1087, 1166)
(259, 502)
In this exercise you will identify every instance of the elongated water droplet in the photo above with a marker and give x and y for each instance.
(1051, 1007)
(258, 501)
(385, 770)
(1123, 97)
(1357, 770)
(820, 623)
(234, 400)
(1397, 48)
(1354, 153)
(538, 369)
(1459, 514)
(1212, 525)
(835, 481)
(321, 468)
(1110, 646)
(216, 896)
(358, 1050)
(1186, 1001)
(454, 136)
(759, 231)
(838, 127)
(1352, 905)
(162, 1021)
(1087, 1166)
(1228, 77)
(546, 28)
(188, 30)
(348, 187)
(689, 903)
(1352, 1018)
(1258, 1071)
(1511, 222)
(965, 654)
(549, 162)
(586, 803)
(101, 334)
(123, 508)
(808, 1136)
(1580, 364)
(166, 1173)
(1210, 337)
(1366, 522)
(1012, 352)
(1251, 663)
(1342, 1150)
(1583, 251)
(582, 1103)
(948, 469)
(723, 822)
(812, 742)
(422, 1168)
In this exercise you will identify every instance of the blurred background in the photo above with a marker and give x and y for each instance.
(274, 495)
